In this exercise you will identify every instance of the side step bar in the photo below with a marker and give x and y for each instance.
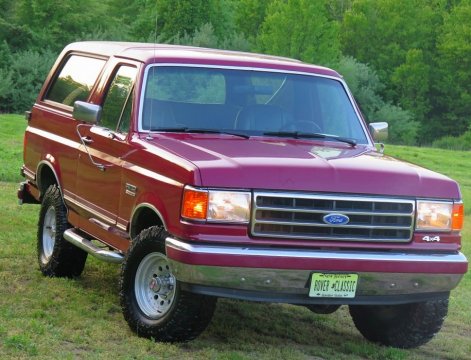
(106, 255)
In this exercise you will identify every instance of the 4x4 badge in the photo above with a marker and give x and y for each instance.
(431, 238)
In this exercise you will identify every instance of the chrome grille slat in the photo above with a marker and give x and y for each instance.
(302, 210)
(300, 216)
(294, 223)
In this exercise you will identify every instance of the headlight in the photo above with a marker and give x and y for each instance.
(434, 215)
(216, 205)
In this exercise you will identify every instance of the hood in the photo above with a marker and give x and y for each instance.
(303, 165)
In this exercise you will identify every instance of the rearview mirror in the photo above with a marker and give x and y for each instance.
(379, 131)
(90, 113)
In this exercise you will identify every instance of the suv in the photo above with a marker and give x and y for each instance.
(210, 173)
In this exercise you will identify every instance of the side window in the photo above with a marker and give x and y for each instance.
(75, 80)
(117, 105)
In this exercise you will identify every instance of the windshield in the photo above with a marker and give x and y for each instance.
(247, 102)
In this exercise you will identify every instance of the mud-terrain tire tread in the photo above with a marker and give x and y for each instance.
(190, 313)
(407, 326)
(66, 260)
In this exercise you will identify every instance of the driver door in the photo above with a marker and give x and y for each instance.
(100, 166)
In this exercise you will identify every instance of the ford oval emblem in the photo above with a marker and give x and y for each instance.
(336, 219)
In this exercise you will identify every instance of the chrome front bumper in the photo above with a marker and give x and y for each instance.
(283, 275)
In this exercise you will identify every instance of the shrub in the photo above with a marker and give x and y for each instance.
(366, 87)
(462, 142)
(22, 78)
(402, 127)
(364, 84)
(205, 36)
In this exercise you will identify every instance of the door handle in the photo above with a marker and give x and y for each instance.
(87, 139)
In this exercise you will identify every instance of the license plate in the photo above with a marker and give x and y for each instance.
(333, 285)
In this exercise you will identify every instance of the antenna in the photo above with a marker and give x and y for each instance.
(149, 137)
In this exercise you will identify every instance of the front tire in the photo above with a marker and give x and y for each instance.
(403, 326)
(151, 299)
(56, 256)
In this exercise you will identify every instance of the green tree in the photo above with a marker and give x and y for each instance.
(366, 87)
(205, 37)
(412, 81)
(364, 84)
(181, 17)
(55, 23)
(300, 29)
(163, 20)
(403, 129)
(453, 87)
(398, 39)
(249, 16)
(337, 8)
(381, 32)
(24, 77)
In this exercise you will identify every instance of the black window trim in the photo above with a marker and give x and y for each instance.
(58, 70)
(107, 86)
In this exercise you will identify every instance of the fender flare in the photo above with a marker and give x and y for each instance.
(52, 165)
(145, 205)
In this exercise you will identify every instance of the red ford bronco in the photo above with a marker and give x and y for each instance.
(210, 173)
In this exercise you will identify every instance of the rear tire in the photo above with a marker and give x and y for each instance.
(151, 299)
(56, 256)
(404, 326)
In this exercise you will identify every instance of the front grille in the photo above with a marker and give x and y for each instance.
(301, 216)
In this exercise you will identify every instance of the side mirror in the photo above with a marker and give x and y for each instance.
(379, 131)
(90, 113)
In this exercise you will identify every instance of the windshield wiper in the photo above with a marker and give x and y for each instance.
(200, 131)
(305, 135)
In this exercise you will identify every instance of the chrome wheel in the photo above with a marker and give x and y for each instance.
(56, 256)
(154, 285)
(49, 234)
(153, 303)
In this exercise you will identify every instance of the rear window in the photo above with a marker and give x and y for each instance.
(75, 80)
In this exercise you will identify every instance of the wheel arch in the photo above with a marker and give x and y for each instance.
(47, 175)
(144, 216)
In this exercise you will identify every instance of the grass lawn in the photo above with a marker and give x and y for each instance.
(81, 318)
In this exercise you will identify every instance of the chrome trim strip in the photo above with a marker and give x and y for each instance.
(315, 254)
(29, 174)
(151, 174)
(121, 226)
(91, 211)
(54, 137)
(313, 196)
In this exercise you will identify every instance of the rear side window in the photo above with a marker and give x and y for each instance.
(75, 80)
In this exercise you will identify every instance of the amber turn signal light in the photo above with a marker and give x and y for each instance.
(195, 204)
(457, 217)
